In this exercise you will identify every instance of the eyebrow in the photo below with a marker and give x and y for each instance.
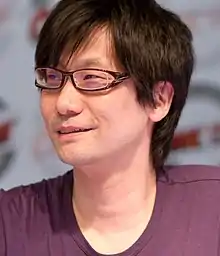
(85, 63)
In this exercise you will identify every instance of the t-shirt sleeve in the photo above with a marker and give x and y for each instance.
(2, 231)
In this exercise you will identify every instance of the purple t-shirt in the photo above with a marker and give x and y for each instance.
(38, 220)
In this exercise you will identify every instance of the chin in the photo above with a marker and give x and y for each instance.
(76, 158)
(80, 155)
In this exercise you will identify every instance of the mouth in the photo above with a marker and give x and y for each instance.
(74, 131)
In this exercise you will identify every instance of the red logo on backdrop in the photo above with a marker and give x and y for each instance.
(37, 22)
(204, 135)
(41, 10)
(195, 137)
(5, 8)
(5, 24)
(6, 143)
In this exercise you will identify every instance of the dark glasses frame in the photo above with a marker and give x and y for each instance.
(119, 77)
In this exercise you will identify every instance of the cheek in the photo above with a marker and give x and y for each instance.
(47, 108)
(122, 115)
(44, 107)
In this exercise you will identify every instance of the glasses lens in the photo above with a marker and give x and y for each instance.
(48, 77)
(92, 79)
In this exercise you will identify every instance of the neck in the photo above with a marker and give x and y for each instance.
(116, 199)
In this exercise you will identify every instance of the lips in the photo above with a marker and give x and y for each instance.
(69, 130)
(74, 131)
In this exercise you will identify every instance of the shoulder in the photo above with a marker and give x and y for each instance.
(23, 199)
(193, 173)
(30, 210)
(193, 180)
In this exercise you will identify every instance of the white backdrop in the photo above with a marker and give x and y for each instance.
(26, 154)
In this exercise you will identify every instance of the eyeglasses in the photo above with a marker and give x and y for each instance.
(83, 79)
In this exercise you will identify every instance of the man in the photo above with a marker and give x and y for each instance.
(113, 78)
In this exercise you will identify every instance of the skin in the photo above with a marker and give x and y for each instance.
(113, 174)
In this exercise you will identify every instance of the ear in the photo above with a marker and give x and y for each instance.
(163, 96)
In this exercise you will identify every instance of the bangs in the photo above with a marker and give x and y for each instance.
(64, 30)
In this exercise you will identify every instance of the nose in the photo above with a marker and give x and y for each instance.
(69, 101)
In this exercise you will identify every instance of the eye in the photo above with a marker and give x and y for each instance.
(53, 76)
(93, 76)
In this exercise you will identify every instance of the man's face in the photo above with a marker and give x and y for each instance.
(117, 121)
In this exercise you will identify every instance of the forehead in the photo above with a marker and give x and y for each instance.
(96, 51)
